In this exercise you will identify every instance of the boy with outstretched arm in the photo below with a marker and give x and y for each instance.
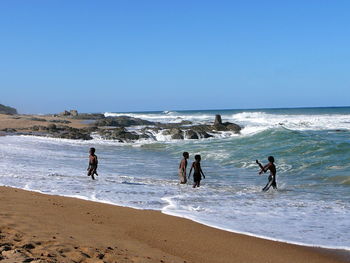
(93, 162)
(272, 177)
(197, 175)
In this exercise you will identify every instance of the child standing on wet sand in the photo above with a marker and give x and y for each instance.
(93, 162)
(272, 177)
(182, 168)
(197, 175)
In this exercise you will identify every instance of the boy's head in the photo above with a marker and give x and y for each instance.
(197, 157)
(186, 155)
(271, 159)
(92, 150)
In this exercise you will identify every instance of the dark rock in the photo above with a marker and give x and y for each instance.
(27, 260)
(7, 110)
(89, 129)
(9, 130)
(220, 127)
(233, 127)
(191, 134)
(73, 135)
(185, 122)
(60, 121)
(122, 121)
(175, 133)
(52, 127)
(28, 246)
(202, 128)
(177, 136)
(89, 116)
(203, 134)
(38, 128)
(120, 134)
(36, 119)
(217, 119)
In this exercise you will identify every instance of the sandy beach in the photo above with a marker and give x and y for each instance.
(24, 122)
(45, 228)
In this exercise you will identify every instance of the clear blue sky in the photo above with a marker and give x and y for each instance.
(131, 55)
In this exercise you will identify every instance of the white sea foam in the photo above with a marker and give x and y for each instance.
(253, 122)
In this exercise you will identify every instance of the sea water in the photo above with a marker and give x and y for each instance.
(311, 148)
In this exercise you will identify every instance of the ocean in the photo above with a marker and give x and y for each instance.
(311, 147)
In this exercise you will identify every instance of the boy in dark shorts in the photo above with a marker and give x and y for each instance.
(197, 175)
(272, 177)
(182, 168)
(93, 162)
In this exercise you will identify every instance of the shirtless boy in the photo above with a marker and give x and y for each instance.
(272, 177)
(197, 175)
(182, 168)
(93, 162)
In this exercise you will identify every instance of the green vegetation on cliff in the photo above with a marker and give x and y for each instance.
(7, 110)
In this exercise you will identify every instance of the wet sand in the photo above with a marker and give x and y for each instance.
(43, 228)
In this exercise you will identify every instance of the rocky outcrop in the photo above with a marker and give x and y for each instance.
(116, 128)
(122, 121)
(88, 116)
(190, 134)
(60, 131)
(176, 133)
(72, 113)
(120, 134)
(7, 110)
(217, 119)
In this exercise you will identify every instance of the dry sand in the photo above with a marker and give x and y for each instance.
(27, 121)
(43, 228)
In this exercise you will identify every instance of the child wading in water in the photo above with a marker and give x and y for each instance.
(272, 177)
(182, 168)
(197, 175)
(92, 169)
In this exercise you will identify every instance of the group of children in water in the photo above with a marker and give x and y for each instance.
(196, 168)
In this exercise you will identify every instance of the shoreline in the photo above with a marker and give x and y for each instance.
(30, 211)
(344, 249)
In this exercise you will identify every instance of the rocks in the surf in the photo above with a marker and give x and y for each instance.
(122, 121)
(218, 119)
(117, 128)
(233, 127)
(226, 126)
(120, 134)
(190, 134)
(88, 116)
(176, 133)
(59, 131)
